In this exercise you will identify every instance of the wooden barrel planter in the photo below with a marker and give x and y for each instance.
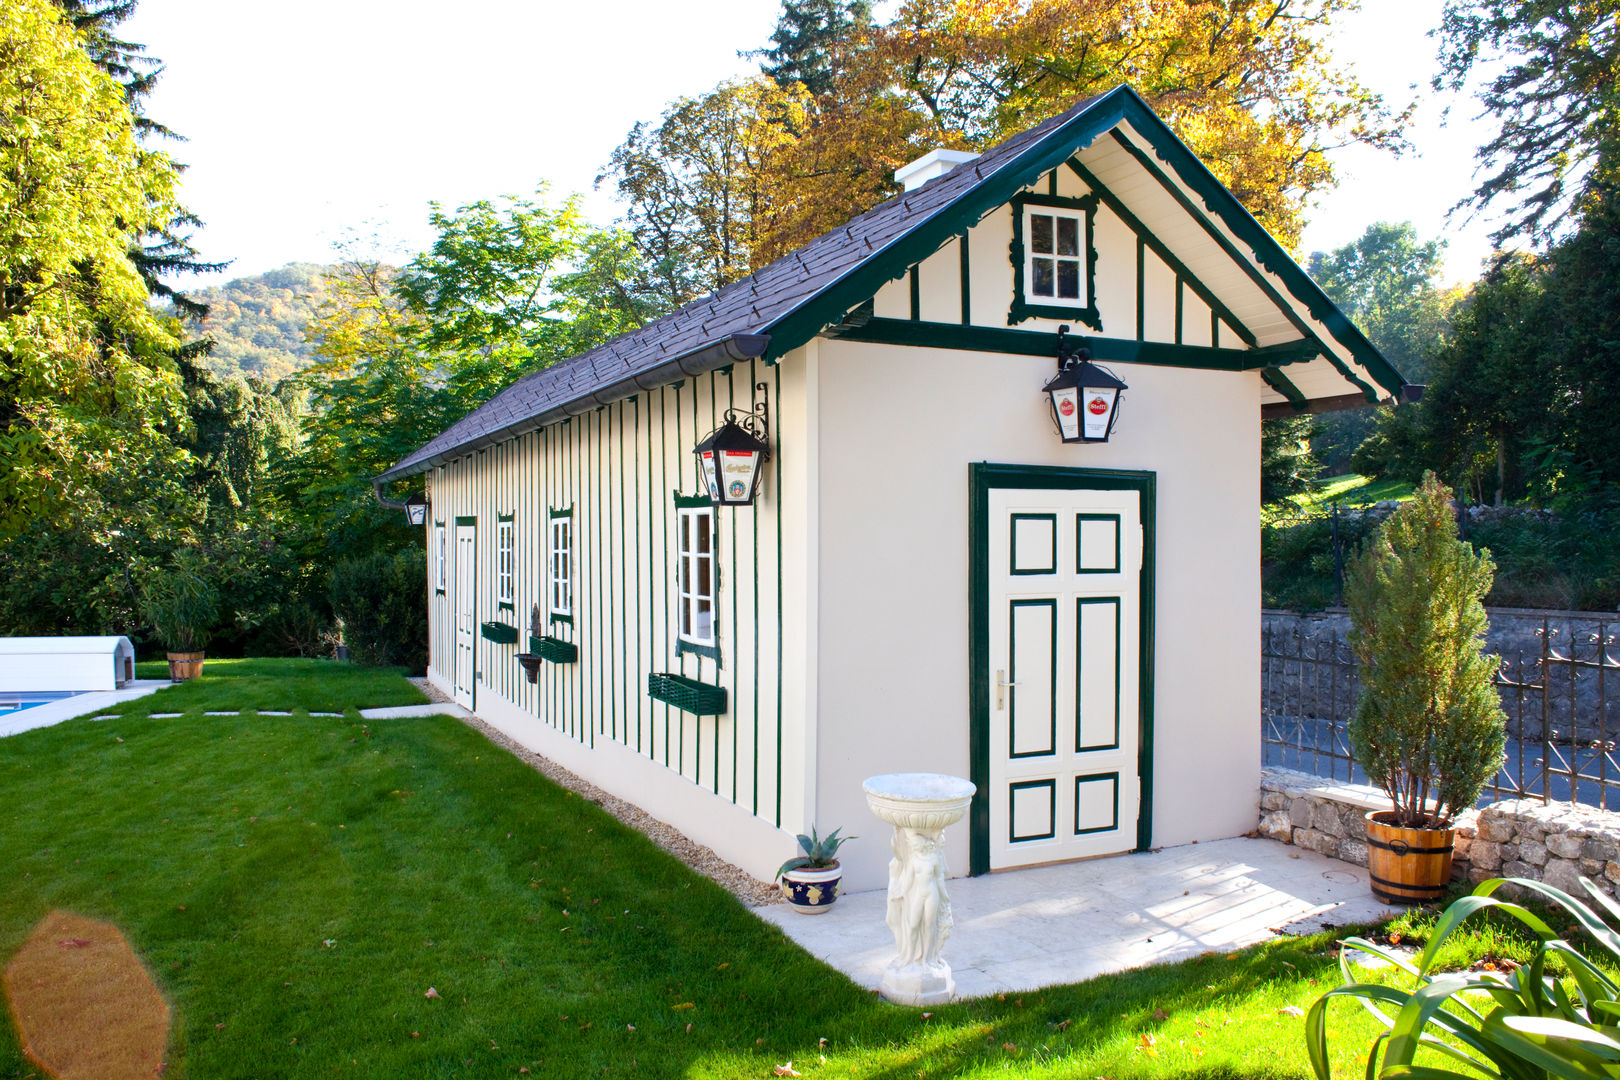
(185, 665)
(1407, 866)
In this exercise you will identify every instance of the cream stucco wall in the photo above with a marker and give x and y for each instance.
(898, 429)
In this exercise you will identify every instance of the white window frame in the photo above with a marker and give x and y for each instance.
(1032, 211)
(689, 560)
(560, 566)
(443, 558)
(504, 548)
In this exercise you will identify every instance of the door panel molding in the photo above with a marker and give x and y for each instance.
(984, 477)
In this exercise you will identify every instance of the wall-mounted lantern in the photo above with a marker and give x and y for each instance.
(416, 508)
(732, 457)
(1084, 397)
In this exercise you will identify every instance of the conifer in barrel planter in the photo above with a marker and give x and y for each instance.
(1428, 728)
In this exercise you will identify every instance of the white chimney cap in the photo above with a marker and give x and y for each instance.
(932, 164)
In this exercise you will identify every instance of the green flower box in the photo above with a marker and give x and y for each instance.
(687, 695)
(499, 633)
(556, 650)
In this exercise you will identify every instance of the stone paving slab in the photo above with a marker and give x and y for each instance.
(401, 712)
(1046, 926)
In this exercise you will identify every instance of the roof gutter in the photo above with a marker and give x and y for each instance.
(728, 350)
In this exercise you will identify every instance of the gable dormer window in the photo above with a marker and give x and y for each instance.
(1054, 255)
(1054, 260)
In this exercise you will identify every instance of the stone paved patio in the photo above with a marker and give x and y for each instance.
(1061, 924)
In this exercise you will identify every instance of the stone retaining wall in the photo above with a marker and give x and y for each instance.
(1556, 843)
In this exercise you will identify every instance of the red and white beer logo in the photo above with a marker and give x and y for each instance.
(1097, 405)
(1066, 407)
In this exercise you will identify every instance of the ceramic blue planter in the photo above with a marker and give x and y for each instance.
(812, 891)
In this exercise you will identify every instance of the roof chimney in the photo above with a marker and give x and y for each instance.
(932, 164)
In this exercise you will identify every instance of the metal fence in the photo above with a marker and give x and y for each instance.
(1561, 726)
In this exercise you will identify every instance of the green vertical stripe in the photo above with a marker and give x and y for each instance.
(1141, 289)
(753, 377)
(780, 499)
(967, 279)
(1178, 308)
(916, 295)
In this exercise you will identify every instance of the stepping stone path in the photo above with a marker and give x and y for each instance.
(326, 714)
(232, 712)
(271, 712)
(163, 715)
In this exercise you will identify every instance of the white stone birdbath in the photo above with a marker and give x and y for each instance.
(920, 806)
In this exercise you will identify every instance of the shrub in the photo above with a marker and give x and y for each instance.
(181, 603)
(1536, 1025)
(381, 601)
(1428, 723)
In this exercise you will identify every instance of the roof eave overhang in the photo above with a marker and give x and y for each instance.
(716, 355)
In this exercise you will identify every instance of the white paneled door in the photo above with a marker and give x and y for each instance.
(466, 612)
(1064, 607)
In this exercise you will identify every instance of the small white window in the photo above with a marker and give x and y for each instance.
(561, 566)
(441, 557)
(696, 585)
(503, 562)
(1056, 252)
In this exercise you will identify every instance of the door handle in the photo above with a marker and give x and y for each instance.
(1001, 687)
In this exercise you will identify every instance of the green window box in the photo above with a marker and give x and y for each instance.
(499, 633)
(556, 650)
(688, 695)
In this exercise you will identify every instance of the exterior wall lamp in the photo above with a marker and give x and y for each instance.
(416, 508)
(1084, 397)
(731, 457)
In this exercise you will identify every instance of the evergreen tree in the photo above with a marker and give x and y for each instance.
(804, 45)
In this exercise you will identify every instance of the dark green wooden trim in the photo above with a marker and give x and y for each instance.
(1022, 308)
(1285, 386)
(682, 646)
(1079, 638)
(1267, 251)
(505, 517)
(982, 478)
(993, 339)
(1051, 604)
(916, 243)
(1051, 183)
(554, 512)
(468, 520)
(1181, 293)
(1051, 827)
(557, 617)
(689, 648)
(1141, 287)
(1012, 544)
(554, 649)
(967, 279)
(1092, 778)
(1214, 329)
(916, 295)
(498, 632)
(504, 605)
(1145, 236)
(1118, 529)
(691, 502)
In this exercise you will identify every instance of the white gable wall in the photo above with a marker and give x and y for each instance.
(898, 429)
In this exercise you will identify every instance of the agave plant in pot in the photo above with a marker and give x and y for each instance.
(810, 881)
(1428, 728)
(182, 606)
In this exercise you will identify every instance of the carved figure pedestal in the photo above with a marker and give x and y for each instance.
(920, 806)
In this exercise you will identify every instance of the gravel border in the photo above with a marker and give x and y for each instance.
(741, 884)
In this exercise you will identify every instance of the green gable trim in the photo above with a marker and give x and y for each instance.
(1143, 236)
(1022, 308)
(1285, 386)
(935, 335)
(1224, 205)
(828, 306)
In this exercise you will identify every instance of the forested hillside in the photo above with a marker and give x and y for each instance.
(257, 323)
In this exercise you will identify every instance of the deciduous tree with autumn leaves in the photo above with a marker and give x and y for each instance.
(1250, 85)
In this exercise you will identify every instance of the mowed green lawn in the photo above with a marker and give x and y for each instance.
(296, 885)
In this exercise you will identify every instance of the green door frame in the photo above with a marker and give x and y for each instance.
(983, 477)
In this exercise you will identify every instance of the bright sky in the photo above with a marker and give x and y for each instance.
(311, 119)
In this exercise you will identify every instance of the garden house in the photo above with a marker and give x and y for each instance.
(957, 560)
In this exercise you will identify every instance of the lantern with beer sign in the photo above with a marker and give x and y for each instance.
(733, 456)
(1084, 397)
(416, 508)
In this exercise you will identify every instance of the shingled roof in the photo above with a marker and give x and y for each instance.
(782, 306)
